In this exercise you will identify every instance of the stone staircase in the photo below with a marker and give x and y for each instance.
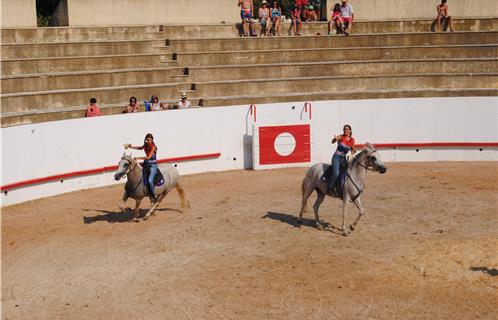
(50, 73)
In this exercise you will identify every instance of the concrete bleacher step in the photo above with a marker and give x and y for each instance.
(25, 101)
(355, 40)
(107, 78)
(70, 34)
(75, 34)
(85, 79)
(419, 25)
(93, 48)
(336, 54)
(342, 68)
(346, 95)
(338, 83)
(84, 63)
(54, 114)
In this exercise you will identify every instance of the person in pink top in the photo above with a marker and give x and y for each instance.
(336, 20)
(296, 20)
(93, 110)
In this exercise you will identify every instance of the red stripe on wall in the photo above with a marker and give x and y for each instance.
(75, 174)
(431, 145)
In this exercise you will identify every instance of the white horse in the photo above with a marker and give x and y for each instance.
(136, 189)
(368, 159)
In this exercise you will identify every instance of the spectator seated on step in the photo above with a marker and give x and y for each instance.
(335, 21)
(154, 104)
(247, 15)
(276, 17)
(347, 16)
(317, 5)
(133, 106)
(264, 18)
(93, 110)
(296, 21)
(443, 19)
(184, 103)
(309, 14)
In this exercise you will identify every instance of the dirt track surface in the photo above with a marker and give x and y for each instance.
(426, 249)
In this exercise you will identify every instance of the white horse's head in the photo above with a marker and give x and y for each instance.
(373, 159)
(125, 165)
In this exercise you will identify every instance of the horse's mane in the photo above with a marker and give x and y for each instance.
(368, 149)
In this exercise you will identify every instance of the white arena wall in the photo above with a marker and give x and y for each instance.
(36, 151)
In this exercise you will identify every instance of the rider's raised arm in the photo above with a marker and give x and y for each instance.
(136, 147)
(336, 138)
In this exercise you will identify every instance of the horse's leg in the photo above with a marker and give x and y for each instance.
(357, 202)
(345, 203)
(135, 211)
(316, 206)
(158, 201)
(123, 206)
(304, 201)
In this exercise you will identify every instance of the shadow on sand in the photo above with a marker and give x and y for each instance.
(119, 216)
(492, 272)
(294, 221)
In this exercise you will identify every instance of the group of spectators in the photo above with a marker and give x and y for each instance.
(152, 105)
(270, 16)
(341, 20)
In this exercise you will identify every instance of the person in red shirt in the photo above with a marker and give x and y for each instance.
(296, 20)
(93, 110)
(150, 161)
(345, 143)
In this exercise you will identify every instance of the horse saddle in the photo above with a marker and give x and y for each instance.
(337, 189)
(158, 179)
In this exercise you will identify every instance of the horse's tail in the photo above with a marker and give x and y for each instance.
(181, 193)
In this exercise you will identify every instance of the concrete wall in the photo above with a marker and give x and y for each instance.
(22, 13)
(132, 12)
(18, 13)
(45, 149)
(137, 12)
(409, 9)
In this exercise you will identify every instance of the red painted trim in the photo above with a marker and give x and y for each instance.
(306, 105)
(253, 113)
(431, 145)
(75, 174)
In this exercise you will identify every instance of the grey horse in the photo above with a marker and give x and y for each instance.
(367, 159)
(136, 189)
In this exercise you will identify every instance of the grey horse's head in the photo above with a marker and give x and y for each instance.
(373, 159)
(124, 166)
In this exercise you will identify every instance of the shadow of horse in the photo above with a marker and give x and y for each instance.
(118, 216)
(492, 272)
(294, 221)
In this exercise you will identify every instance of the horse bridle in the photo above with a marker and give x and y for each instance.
(369, 166)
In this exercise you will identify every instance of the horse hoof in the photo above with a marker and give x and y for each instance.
(320, 227)
(136, 220)
(351, 227)
(345, 234)
(146, 217)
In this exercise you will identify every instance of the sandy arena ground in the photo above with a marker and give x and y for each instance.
(426, 249)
